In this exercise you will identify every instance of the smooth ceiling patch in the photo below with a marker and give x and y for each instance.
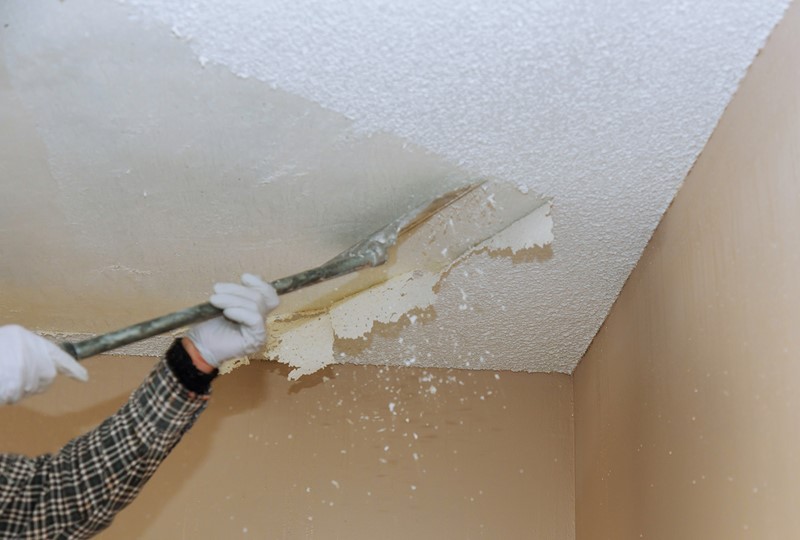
(157, 177)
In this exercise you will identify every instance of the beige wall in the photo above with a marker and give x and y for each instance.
(687, 405)
(483, 457)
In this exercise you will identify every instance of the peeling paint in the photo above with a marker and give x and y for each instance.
(354, 317)
(306, 342)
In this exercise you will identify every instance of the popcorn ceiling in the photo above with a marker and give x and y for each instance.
(601, 106)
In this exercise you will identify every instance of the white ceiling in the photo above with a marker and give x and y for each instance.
(149, 149)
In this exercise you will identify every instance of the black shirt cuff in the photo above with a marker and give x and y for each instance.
(184, 369)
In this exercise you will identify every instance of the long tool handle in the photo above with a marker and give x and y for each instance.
(201, 312)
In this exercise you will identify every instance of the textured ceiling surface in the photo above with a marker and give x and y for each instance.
(149, 149)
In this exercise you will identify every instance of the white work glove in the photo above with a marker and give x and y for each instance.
(243, 329)
(29, 363)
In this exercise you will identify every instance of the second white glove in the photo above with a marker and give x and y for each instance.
(242, 330)
(29, 363)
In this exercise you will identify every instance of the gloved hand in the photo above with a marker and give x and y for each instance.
(29, 363)
(243, 329)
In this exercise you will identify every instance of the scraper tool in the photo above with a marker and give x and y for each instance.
(370, 252)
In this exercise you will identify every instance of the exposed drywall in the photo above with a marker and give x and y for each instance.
(686, 404)
(356, 452)
(141, 178)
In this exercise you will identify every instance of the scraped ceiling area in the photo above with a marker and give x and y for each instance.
(149, 149)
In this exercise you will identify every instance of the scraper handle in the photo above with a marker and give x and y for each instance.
(137, 332)
(202, 312)
(371, 251)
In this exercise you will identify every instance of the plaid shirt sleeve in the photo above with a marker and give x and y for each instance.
(77, 492)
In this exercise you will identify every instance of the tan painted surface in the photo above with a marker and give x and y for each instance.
(687, 403)
(353, 452)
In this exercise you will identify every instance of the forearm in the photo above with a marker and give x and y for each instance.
(78, 491)
(197, 359)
